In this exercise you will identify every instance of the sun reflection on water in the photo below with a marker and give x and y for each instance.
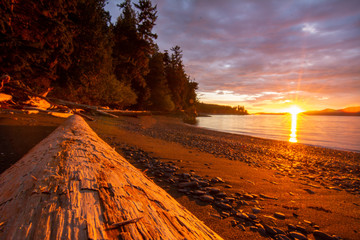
(294, 111)
(293, 138)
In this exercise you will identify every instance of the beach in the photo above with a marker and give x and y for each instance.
(241, 187)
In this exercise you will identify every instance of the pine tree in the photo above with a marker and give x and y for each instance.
(176, 77)
(134, 46)
(160, 98)
(90, 78)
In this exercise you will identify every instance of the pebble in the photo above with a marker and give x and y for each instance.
(224, 206)
(216, 216)
(309, 191)
(220, 195)
(188, 185)
(279, 231)
(241, 227)
(267, 197)
(212, 190)
(279, 215)
(242, 215)
(252, 216)
(281, 237)
(253, 228)
(298, 236)
(199, 192)
(321, 236)
(270, 230)
(291, 227)
(206, 198)
(256, 210)
(217, 180)
(248, 196)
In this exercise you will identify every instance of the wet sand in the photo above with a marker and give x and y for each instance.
(278, 185)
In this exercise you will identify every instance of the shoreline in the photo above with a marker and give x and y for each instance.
(313, 187)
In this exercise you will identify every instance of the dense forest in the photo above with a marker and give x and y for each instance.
(204, 108)
(72, 48)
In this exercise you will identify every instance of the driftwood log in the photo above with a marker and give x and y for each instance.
(73, 185)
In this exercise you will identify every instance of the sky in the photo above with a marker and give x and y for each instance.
(266, 55)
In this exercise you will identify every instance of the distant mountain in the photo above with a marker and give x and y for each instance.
(350, 111)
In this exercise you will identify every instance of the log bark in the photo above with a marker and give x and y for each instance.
(72, 185)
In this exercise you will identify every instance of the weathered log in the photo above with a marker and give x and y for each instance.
(72, 185)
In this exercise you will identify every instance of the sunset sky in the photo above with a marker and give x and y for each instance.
(266, 55)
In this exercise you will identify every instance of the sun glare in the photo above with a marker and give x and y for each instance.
(294, 110)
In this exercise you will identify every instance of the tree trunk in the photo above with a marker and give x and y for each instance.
(73, 185)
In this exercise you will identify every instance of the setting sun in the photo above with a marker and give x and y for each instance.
(294, 110)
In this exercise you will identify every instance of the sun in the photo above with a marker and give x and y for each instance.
(294, 110)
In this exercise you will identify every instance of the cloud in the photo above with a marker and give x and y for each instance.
(251, 47)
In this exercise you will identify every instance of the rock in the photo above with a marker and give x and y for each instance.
(279, 231)
(225, 214)
(242, 202)
(241, 227)
(229, 199)
(256, 210)
(270, 220)
(261, 229)
(212, 190)
(301, 229)
(217, 180)
(318, 235)
(298, 236)
(267, 197)
(203, 183)
(206, 198)
(242, 215)
(270, 230)
(224, 206)
(281, 237)
(188, 185)
(279, 215)
(248, 196)
(309, 191)
(216, 216)
(291, 227)
(227, 186)
(253, 228)
(252, 216)
(199, 192)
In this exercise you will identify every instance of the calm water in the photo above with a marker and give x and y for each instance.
(336, 132)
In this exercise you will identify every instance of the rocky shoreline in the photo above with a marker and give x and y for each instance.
(333, 169)
(313, 168)
(241, 187)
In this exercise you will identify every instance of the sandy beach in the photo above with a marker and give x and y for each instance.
(242, 187)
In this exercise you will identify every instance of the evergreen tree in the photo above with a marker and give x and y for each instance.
(90, 78)
(36, 40)
(160, 98)
(176, 77)
(133, 46)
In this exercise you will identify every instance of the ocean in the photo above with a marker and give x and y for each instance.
(337, 132)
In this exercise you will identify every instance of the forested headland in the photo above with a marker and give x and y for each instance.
(73, 48)
(205, 108)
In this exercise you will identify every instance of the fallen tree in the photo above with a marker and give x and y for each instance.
(72, 185)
